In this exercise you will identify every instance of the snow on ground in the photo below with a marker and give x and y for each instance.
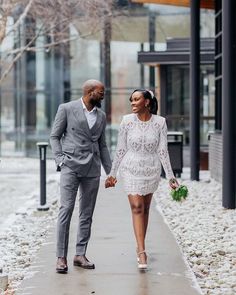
(205, 231)
(19, 183)
(23, 229)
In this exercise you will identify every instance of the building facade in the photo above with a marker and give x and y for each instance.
(44, 78)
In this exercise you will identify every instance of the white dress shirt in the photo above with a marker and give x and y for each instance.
(91, 116)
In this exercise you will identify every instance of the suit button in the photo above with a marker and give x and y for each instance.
(73, 128)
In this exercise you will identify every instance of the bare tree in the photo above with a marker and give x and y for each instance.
(52, 19)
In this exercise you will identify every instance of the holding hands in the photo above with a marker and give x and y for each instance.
(110, 181)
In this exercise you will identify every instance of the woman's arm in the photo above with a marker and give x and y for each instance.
(163, 152)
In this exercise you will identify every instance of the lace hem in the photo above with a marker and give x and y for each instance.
(140, 193)
(142, 188)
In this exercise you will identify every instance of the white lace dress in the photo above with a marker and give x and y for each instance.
(141, 149)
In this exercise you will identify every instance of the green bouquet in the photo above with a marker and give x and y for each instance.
(180, 193)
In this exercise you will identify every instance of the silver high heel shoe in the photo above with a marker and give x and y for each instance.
(141, 266)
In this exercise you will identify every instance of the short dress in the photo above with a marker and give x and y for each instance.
(140, 151)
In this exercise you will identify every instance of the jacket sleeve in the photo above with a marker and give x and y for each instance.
(121, 148)
(163, 152)
(104, 153)
(58, 129)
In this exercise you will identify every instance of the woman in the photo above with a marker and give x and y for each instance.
(141, 149)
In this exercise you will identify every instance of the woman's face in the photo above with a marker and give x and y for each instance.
(138, 102)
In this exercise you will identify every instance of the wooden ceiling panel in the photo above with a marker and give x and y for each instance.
(208, 4)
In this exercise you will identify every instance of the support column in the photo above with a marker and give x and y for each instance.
(106, 57)
(20, 93)
(163, 90)
(57, 75)
(106, 73)
(152, 39)
(0, 105)
(195, 90)
(142, 69)
(218, 65)
(229, 104)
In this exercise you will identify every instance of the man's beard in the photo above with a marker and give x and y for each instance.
(95, 103)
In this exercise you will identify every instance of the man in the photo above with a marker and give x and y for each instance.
(79, 146)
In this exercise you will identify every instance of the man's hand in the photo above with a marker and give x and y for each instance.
(110, 181)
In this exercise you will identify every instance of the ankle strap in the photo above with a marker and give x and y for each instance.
(141, 252)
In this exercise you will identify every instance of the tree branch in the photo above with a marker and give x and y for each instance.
(6, 72)
(22, 17)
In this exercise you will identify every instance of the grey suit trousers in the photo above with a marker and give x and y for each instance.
(88, 187)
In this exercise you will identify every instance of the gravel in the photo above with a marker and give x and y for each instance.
(205, 232)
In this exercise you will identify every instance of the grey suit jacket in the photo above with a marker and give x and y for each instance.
(75, 145)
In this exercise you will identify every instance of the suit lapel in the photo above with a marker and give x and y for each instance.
(98, 122)
(80, 116)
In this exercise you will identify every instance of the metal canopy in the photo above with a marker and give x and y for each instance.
(207, 4)
(178, 52)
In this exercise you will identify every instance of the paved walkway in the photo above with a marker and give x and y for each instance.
(112, 249)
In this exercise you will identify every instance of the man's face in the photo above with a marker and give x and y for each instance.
(97, 96)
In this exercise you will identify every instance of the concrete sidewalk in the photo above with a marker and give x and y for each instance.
(112, 249)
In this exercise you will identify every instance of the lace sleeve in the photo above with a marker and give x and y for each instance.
(163, 152)
(121, 148)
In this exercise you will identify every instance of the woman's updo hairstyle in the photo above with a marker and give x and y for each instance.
(148, 94)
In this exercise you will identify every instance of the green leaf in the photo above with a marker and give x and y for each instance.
(179, 193)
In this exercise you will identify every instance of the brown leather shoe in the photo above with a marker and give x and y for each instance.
(82, 261)
(61, 265)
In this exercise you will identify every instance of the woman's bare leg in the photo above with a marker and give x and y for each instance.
(137, 205)
(147, 203)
